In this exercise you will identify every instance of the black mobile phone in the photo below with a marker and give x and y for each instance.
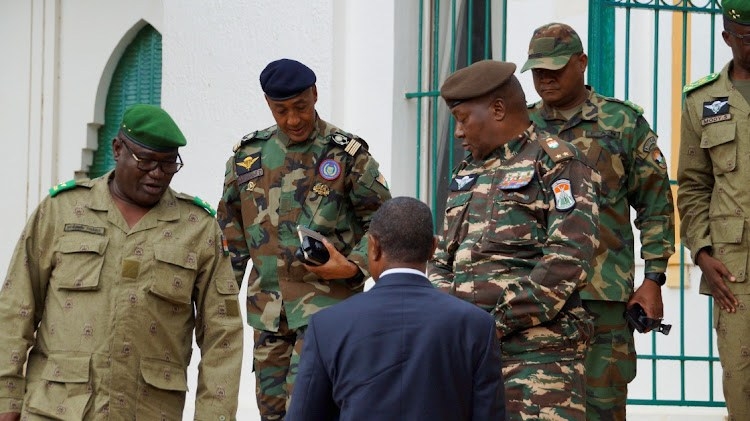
(638, 320)
(311, 251)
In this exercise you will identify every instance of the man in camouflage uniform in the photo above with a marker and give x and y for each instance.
(714, 201)
(302, 171)
(617, 140)
(109, 280)
(520, 230)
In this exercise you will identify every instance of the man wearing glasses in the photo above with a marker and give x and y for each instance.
(713, 199)
(107, 284)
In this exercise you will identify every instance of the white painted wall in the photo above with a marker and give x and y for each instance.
(59, 56)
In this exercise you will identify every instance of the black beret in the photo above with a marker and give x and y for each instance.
(285, 78)
(476, 80)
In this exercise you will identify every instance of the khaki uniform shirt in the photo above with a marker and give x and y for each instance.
(109, 312)
(714, 175)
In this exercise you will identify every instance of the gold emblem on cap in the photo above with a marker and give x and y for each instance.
(321, 189)
(248, 162)
(733, 13)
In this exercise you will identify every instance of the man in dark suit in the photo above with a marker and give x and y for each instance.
(404, 350)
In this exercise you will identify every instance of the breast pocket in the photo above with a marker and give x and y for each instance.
(79, 261)
(719, 140)
(518, 220)
(174, 274)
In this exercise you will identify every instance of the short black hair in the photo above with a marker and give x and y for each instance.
(403, 227)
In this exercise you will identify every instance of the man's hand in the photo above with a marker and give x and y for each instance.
(337, 266)
(10, 416)
(648, 295)
(715, 273)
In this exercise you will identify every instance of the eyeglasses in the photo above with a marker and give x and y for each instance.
(143, 164)
(744, 38)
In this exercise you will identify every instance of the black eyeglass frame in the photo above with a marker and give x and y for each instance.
(744, 38)
(148, 165)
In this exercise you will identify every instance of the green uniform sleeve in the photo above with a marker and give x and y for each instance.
(696, 182)
(650, 194)
(22, 303)
(218, 334)
(368, 192)
(229, 215)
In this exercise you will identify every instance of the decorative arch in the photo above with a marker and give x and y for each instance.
(136, 79)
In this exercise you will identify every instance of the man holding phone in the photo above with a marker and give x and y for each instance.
(306, 172)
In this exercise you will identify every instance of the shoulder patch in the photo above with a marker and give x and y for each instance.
(557, 149)
(264, 134)
(70, 184)
(205, 205)
(705, 80)
(349, 142)
(635, 107)
(197, 201)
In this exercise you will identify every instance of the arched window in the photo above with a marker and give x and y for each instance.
(137, 79)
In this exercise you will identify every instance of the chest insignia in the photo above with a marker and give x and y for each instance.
(516, 179)
(564, 199)
(329, 169)
(715, 111)
(321, 189)
(463, 183)
(250, 186)
(248, 168)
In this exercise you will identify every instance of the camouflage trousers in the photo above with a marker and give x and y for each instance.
(733, 339)
(610, 361)
(275, 363)
(553, 391)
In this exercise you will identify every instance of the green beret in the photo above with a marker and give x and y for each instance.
(476, 80)
(151, 127)
(551, 47)
(737, 11)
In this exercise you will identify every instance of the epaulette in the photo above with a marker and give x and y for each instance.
(635, 107)
(531, 105)
(700, 82)
(557, 149)
(68, 185)
(349, 142)
(198, 202)
(264, 134)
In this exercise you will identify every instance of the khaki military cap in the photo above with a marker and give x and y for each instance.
(476, 80)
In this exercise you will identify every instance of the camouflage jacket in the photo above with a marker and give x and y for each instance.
(618, 141)
(713, 174)
(109, 311)
(520, 230)
(330, 184)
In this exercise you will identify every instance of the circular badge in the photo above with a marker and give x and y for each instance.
(329, 169)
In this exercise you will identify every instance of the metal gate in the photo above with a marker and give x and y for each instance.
(641, 50)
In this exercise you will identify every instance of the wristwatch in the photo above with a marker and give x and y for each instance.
(658, 277)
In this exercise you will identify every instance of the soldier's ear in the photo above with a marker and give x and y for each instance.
(583, 61)
(498, 109)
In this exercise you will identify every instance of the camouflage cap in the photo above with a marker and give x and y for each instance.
(476, 80)
(551, 47)
(737, 11)
(151, 127)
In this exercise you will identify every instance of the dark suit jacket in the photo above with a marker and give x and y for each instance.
(401, 351)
